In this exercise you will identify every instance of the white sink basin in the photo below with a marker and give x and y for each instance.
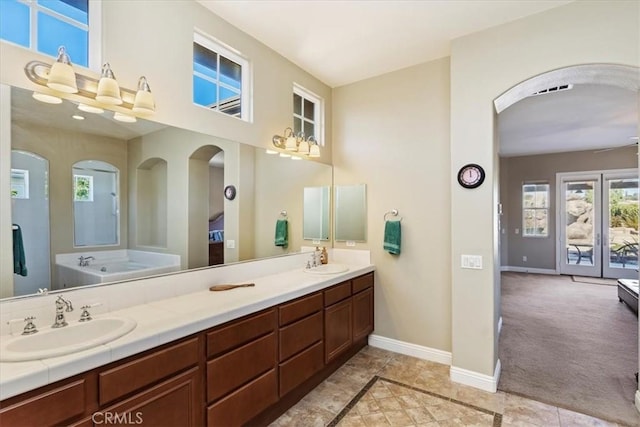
(327, 269)
(50, 342)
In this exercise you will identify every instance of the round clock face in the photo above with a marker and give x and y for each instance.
(230, 192)
(471, 176)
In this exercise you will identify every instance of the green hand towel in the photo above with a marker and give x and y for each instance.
(392, 237)
(19, 261)
(282, 233)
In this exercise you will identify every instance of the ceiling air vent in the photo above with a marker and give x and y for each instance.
(553, 89)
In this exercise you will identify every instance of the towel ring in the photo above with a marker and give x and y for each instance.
(393, 212)
(283, 213)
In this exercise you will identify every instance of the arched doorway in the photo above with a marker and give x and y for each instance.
(555, 197)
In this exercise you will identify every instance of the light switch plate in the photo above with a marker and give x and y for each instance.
(471, 261)
(231, 244)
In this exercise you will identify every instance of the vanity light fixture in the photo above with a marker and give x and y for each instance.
(61, 79)
(77, 117)
(126, 118)
(301, 146)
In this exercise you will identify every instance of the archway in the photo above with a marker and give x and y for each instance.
(612, 76)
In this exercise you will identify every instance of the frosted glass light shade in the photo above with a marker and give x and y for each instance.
(144, 102)
(124, 117)
(303, 148)
(90, 109)
(61, 75)
(49, 99)
(292, 143)
(108, 91)
(314, 151)
(108, 88)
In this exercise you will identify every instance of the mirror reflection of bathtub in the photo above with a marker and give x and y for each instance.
(108, 266)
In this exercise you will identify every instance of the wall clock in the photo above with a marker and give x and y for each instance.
(230, 192)
(471, 176)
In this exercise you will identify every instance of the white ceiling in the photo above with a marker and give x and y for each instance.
(340, 42)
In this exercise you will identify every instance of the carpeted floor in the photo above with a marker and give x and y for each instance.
(569, 344)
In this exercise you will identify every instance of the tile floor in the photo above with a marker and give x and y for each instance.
(381, 388)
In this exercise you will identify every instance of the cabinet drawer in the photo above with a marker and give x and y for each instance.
(233, 369)
(240, 332)
(129, 377)
(361, 283)
(300, 308)
(337, 293)
(244, 404)
(301, 367)
(300, 335)
(47, 409)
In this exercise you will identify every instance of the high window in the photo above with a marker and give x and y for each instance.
(221, 79)
(45, 25)
(535, 210)
(308, 113)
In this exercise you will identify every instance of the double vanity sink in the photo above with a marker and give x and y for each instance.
(77, 336)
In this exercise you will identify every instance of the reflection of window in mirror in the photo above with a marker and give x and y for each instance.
(44, 26)
(220, 78)
(95, 203)
(19, 184)
(308, 114)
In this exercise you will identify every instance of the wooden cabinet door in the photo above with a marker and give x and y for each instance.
(175, 402)
(362, 314)
(338, 329)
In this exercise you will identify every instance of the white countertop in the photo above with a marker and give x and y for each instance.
(165, 320)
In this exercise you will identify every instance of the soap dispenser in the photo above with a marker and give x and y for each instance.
(324, 256)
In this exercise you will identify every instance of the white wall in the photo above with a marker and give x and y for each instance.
(392, 133)
(484, 65)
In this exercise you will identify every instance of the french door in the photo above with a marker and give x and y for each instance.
(598, 223)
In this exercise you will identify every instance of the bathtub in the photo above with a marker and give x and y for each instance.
(111, 266)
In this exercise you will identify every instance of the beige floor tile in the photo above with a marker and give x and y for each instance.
(443, 404)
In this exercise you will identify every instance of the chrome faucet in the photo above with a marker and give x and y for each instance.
(62, 305)
(84, 260)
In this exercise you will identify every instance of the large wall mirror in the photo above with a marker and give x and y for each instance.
(145, 194)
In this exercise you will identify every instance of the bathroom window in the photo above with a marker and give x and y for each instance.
(44, 25)
(220, 78)
(535, 210)
(82, 188)
(19, 184)
(308, 113)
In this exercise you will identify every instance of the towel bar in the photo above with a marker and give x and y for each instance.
(393, 212)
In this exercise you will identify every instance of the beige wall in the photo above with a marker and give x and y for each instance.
(392, 133)
(483, 66)
(216, 188)
(540, 252)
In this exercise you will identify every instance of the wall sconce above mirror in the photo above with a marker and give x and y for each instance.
(60, 78)
(294, 146)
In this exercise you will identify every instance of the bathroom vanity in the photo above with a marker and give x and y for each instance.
(247, 369)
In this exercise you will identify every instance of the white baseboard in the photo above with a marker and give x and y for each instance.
(518, 269)
(638, 400)
(499, 325)
(421, 352)
(475, 379)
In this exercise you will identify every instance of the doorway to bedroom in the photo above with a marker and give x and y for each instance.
(598, 223)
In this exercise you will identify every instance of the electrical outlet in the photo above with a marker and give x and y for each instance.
(517, 231)
(351, 243)
(524, 258)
